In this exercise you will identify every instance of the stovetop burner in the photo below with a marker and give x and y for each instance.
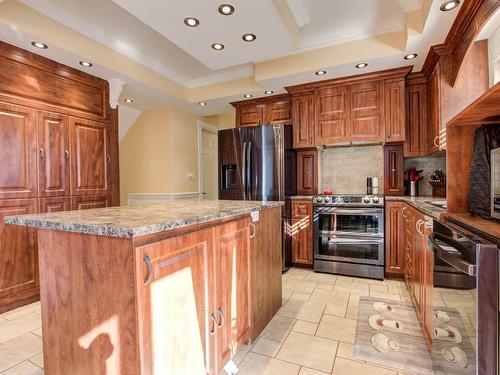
(349, 200)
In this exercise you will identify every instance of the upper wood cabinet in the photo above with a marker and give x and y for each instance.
(416, 119)
(332, 113)
(268, 110)
(19, 282)
(54, 161)
(303, 120)
(18, 164)
(434, 107)
(393, 170)
(366, 121)
(90, 156)
(394, 110)
(307, 172)
(368, 108)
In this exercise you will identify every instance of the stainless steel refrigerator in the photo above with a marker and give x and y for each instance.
(259, 163)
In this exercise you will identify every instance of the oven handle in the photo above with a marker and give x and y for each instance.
(344, 211)
(354, 240)
(460, 264)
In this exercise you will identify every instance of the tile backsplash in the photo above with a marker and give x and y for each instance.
(344, 169)
(429, 164)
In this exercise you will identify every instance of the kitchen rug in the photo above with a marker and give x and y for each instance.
(388, 333)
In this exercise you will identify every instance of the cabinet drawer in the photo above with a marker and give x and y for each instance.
(301, 209)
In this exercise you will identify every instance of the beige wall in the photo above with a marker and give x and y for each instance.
(159, 150)
(223, 120)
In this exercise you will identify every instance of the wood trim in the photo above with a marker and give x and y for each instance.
(354, 79)
(262, 100)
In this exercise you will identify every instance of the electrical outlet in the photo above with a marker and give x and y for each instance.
(190, 176)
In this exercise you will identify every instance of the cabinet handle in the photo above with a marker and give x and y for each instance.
(403, 212)
(212, 331)
(418, 225)
(66, 155)
(108, 158)
(42, 153)
(252, 232)
(222, 319)
(436, 140)
(149, 264)
(307, 172)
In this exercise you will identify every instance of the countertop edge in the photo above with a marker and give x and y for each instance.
(121, 232)
(419, 204)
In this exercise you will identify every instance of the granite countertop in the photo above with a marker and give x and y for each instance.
(140, 220)
(420, 203)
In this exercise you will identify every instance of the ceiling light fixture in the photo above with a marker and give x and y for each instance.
(226, 9)
(218, 46)
(86, 64)
(39, 45)
(191, 21)
(450, 5)
(268, 92)
(249, 37)
(410, 56)
(202, 104)
(248, 96)
(128, 100)
(320, 72)
(361, 65)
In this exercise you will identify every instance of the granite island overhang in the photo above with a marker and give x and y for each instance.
(156, 288)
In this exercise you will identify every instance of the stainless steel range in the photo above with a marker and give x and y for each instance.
(349, 235)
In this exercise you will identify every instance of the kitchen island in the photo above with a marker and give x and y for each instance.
(165, 288)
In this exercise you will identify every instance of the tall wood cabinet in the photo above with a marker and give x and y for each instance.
(58, 142)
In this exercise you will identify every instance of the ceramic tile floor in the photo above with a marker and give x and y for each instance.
(312, 334)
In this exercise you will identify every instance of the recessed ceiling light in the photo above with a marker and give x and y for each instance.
(217, 46)
(449, 5)
(86, 64)
(39, 45)
(202, 104)
(226, 9)
(248, 95)
(268, 92)
(128, 100)
(249, 37)
(410, 56)
(361, 65)
(320, 72)
(191, 21)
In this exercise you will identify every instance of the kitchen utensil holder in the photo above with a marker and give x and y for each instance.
(438, 188)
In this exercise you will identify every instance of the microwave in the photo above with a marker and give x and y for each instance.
(495, 183)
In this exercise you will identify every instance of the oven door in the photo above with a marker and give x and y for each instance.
(362, 222)
(363, 250)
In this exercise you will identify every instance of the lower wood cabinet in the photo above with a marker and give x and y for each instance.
(302, 232)
(194, 300)
(394, 239)
(54, 204)
(19, 283)
(90, 201)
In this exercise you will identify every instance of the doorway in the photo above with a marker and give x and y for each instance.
(208, 160)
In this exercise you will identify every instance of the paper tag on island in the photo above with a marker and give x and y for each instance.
(255, 216)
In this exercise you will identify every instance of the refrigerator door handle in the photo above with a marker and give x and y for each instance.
(249, 171)
(244, 170)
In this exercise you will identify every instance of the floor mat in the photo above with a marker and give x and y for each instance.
(388, 333)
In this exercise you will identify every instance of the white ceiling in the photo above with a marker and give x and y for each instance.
(152, 33)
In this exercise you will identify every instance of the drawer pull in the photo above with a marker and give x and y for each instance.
(222, 319)
(212, 331)
(149, 264)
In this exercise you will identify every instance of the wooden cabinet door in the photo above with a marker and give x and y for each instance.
(279, 112)
(302, 252)
(418, 259)
(408, 221)
(18, 256)
(303, 120)
(393, 170)
(427, 281)
(416, 121)
(394, 239)
(54, 204)
(232, 287)
(53, 143)
(18, 152)
(175, 284)
(434, 108)
(366, 121)
(307, 172)
(250, 116)
(394, 110)
(90, 157)
(88, 202)
(332, 114)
